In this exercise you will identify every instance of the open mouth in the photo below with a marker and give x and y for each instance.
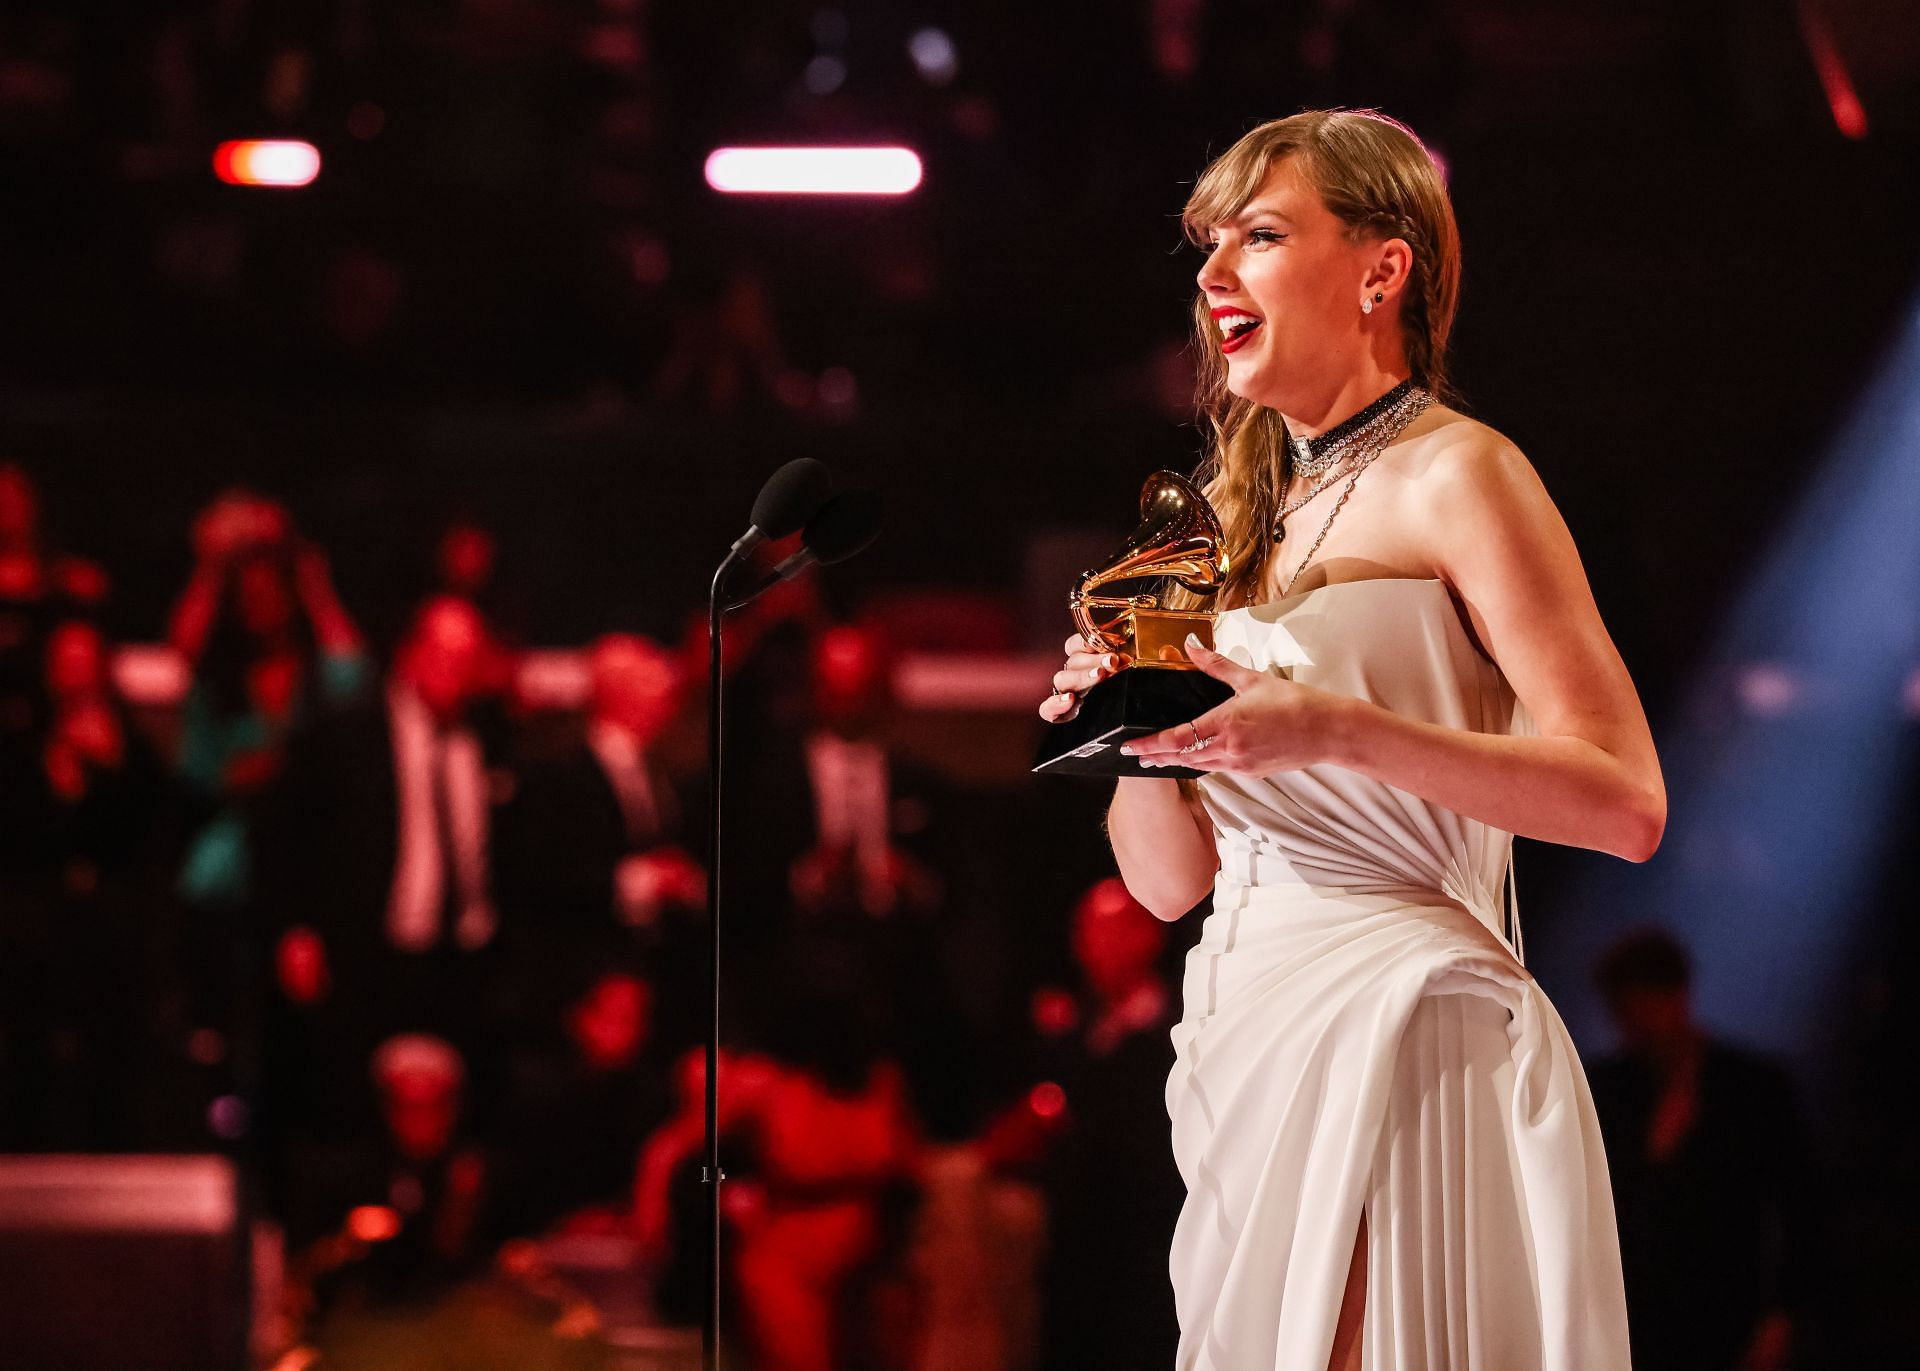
(1235, 329)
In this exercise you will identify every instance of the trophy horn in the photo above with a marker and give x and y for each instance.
(1179, 537)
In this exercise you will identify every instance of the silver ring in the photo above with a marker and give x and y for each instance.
(1194, 730)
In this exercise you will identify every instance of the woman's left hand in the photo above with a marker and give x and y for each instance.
(1271, 724)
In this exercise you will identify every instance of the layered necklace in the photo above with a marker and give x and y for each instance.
(1344, 451)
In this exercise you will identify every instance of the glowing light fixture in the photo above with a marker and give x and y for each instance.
(934, 55)
(266, 162)
(813, 171)
(824, 75)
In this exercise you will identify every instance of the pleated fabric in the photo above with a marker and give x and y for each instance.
(1358, 1036)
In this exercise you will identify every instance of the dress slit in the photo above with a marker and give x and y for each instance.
(1338, 1357)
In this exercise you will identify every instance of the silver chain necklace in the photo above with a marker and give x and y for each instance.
(1368, 441)
(1294, 506)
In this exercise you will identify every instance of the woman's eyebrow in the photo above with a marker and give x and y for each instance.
(1255, 211)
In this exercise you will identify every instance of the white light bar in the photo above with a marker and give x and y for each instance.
(813, 171)
(266, 162)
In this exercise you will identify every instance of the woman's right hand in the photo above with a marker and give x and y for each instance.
(1083, 669)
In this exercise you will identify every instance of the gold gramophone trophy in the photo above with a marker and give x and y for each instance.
(1179, 539)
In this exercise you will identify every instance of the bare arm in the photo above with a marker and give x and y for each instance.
(333, 627)
(1163, 845)
(1591, 778)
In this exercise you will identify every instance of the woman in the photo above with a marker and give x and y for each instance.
(1390, 1151)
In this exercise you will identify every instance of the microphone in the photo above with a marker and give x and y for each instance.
(791, 496)
(845, 526)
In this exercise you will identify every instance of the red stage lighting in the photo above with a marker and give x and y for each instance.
(266, 162)
(1843, 101)
(373, 1223)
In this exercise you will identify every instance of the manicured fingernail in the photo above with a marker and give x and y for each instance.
(1093, 673)
(1110, 662)
(1193, 640)
(1126, 749)
(1148, 763)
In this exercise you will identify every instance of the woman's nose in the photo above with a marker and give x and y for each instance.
(1213, 274)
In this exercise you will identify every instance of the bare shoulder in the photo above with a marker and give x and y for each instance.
(1450, 452)
(1464, 485)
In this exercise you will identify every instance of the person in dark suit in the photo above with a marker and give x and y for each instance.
(1711, 1175)
(593, 845)
(841, 857)
(377, 842)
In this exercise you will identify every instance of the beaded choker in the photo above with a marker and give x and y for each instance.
(1314, 457)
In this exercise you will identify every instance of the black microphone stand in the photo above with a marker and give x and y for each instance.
(710, 1173)
(802, 483)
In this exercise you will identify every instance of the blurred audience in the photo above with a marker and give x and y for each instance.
(466, 561)
(82, 820)
(1108, 1049)
(1712, 1179)
(39, 587)
(821, 1145)
(399, 1217)
(377, 841)
(847, 838)
(583, 1092)
(594, 843)
(270, 649)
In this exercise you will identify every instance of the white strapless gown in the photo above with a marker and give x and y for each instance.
(1359, 1037)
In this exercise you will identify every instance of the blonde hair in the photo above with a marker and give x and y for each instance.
(1378, 179)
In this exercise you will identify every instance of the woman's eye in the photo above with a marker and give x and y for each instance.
(1259, 235)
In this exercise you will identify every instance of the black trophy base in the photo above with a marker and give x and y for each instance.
(1136, 702)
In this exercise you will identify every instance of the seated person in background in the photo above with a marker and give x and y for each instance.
(400, 1217)
(1712, 1180)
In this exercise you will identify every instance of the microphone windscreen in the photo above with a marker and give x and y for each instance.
(791, 496)
(846, 524)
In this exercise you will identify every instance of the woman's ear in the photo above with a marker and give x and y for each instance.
(1390, 270)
